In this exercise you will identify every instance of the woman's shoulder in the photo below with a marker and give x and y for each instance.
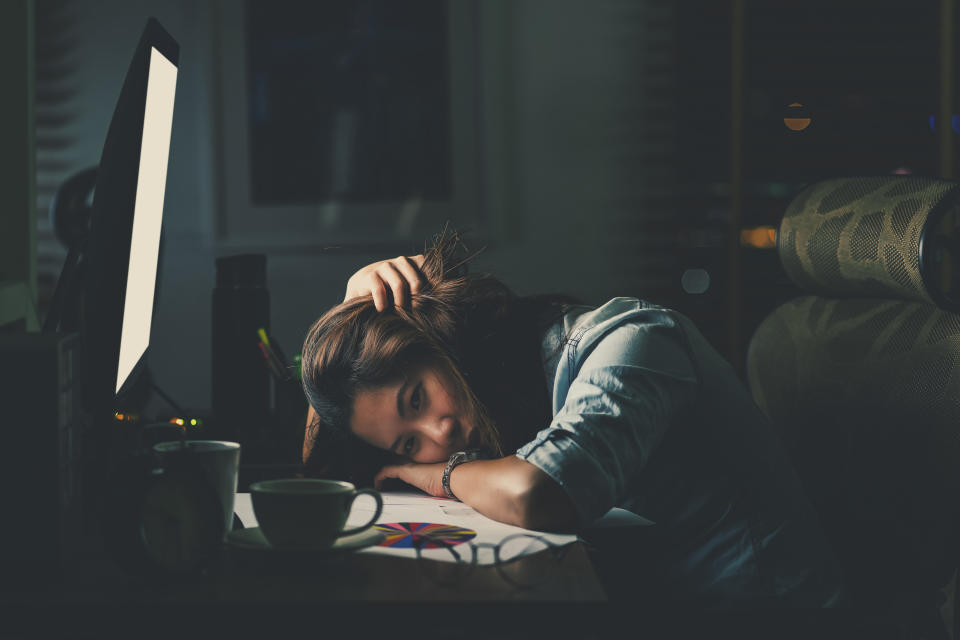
(622, 331)
(583, 318)
(584, 326)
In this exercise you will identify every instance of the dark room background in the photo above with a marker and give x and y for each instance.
(604, 148)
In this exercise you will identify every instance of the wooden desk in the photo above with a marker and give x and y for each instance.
(364, 595)
(376, 592)
(368, 577)
(351, 577)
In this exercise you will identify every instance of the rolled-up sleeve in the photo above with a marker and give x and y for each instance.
(624, 396)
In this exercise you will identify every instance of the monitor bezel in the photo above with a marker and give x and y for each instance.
(106, 254)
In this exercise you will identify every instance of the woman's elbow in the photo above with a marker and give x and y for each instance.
(545, 506)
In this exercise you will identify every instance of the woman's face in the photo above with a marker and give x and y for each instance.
(417, 418)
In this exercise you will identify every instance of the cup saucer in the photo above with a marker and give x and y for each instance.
(252, 538)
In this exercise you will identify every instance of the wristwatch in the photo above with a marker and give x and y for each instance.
(455, 459)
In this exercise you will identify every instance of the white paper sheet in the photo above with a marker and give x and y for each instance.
(410, 506)
(403, 506)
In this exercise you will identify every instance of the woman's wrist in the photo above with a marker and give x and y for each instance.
(492, 487)
(456, 459)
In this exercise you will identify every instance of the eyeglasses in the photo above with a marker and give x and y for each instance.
(523, 560)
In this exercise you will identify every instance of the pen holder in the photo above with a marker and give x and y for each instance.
(240, 382)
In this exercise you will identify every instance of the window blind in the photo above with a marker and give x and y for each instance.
(57, 112)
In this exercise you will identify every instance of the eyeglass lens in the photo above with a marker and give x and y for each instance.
(522, 560)
(443, 562)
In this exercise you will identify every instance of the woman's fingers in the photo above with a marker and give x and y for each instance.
(389, 471)
(396, 281)
(379, 292)
(397, 278)
(409, 268)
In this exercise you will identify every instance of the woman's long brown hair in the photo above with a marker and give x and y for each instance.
(483, 336)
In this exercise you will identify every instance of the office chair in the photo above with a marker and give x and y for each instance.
(862, 376)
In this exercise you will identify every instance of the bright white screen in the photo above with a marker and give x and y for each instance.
(147, 214)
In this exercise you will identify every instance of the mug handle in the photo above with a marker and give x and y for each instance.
(376, 496)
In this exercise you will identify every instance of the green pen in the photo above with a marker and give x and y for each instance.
(297, 360)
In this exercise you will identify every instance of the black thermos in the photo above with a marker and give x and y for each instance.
(240, 384)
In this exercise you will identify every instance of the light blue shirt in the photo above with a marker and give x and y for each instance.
(649, 418)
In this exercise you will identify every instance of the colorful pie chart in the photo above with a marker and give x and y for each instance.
(427, 535)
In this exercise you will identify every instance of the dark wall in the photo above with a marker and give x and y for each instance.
(605, 129)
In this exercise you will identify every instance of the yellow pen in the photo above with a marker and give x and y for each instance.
(276, 361)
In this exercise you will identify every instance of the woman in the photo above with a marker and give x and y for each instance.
(576, 410)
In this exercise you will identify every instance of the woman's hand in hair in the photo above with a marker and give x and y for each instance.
(396, 279)
(426, 477)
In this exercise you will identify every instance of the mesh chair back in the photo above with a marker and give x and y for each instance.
(863, 378)
(867, 393)
(888, 237)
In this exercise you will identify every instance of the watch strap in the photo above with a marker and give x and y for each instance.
(456, 459)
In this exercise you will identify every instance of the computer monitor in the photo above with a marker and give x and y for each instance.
(121, 253)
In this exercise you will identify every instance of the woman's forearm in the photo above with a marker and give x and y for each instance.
(513, 491)
(509, 490)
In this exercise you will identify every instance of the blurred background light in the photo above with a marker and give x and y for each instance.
(954, 123)
(763, 237)
(797, 118)
(695, 281)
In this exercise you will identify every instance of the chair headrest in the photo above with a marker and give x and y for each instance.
(877, 237)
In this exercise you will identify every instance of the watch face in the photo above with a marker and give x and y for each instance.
(180, 522)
